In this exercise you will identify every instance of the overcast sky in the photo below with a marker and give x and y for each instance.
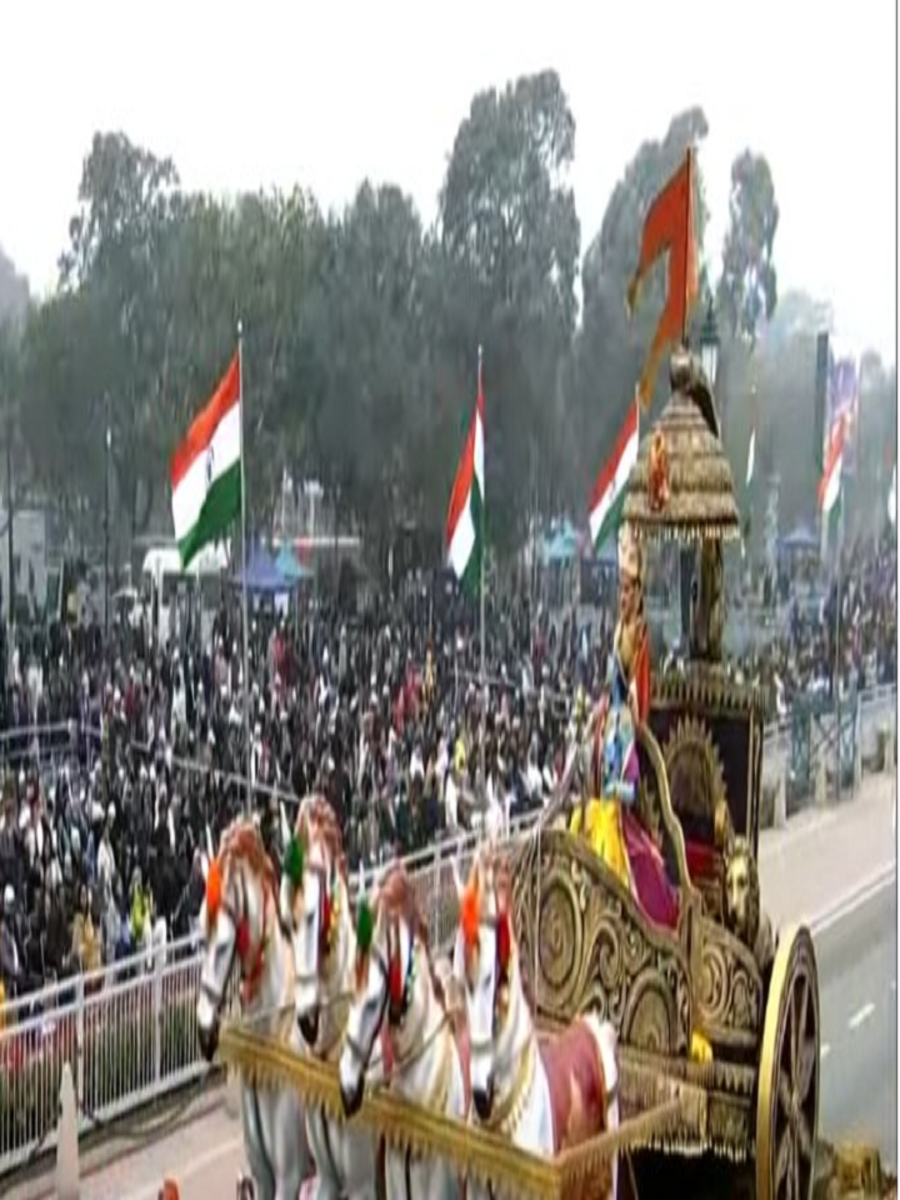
(254, 94)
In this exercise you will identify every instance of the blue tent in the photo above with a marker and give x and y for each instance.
(562, 545)
(800, 538)
(263, 575)
(292, 570)
(608, 553)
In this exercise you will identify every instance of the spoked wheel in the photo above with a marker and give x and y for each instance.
(787, 1109)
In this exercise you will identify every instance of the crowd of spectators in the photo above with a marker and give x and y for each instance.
(103, 818)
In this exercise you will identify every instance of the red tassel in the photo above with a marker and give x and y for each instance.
(504, 941)
(242, 939)
(395, 981)
(325, 931)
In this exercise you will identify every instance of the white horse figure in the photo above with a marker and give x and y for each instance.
(397, 993)
(543, 1097)
(239, 924)
(315, 908)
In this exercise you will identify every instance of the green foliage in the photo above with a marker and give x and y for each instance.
(13, 291)
(748, 289)
(361, 328)
(510, 237)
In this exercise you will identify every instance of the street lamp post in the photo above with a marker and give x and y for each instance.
(106, 527)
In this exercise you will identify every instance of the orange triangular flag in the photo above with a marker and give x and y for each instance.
(669, 226)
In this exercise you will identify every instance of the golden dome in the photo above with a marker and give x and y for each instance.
(698, 502)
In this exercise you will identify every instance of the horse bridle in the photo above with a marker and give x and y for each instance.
(361, 1056)
(325, 878)
(215, 995)
(483, 1045)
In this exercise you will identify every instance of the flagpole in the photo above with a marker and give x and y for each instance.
(244, 605)
(481, 590)
(837, 634)
(688, 233)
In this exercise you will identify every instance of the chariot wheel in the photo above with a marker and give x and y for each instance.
(787, 1107)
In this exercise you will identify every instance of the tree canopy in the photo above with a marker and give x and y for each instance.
(361, 328)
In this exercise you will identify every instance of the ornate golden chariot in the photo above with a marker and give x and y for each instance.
(720, 978)
(720, 975)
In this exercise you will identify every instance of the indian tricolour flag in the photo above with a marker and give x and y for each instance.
(751, 456)
(465, 517)
(206, 470)
(609, 490)
(830, 484)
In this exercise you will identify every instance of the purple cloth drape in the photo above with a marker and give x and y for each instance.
(655, 894)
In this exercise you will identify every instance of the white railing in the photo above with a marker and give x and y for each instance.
(129, 1031)
(877, 708)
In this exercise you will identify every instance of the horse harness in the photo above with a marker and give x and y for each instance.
(240, 948)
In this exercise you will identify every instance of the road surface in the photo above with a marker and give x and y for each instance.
(836, 870)
(857, 959)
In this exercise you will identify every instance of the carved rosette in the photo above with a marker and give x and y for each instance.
(596, 952)
(728, 994)
(696, 777)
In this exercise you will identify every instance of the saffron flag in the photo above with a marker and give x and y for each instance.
(206, 470)
(608, 498)
(669, 227)
(465, 517)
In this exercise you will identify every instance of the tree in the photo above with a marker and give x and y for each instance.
(116, 247)
(13, 290)
(510, 238)
(62, 415)
(368, 400)
(748, 288)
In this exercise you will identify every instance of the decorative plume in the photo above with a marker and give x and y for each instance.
(293, 861)
(213, 889)
(365, 926)
(470, 913)
(504, 940)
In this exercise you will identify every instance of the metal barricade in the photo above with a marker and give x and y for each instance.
(129, 1031)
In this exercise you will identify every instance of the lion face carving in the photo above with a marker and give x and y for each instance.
(742, 893)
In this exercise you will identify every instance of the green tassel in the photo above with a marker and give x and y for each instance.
(365, 926)
(293, 862)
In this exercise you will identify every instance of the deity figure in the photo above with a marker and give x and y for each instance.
(658, 472)
(631, 643)
(608, 820)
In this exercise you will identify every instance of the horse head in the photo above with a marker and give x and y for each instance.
(315, 910)
(234, 924)
(484, 958)
(394, 980)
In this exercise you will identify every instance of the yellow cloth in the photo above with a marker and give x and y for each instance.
(459, 755)
(701, 1050)
(85, 943)
(140, 914)
(603, 830)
